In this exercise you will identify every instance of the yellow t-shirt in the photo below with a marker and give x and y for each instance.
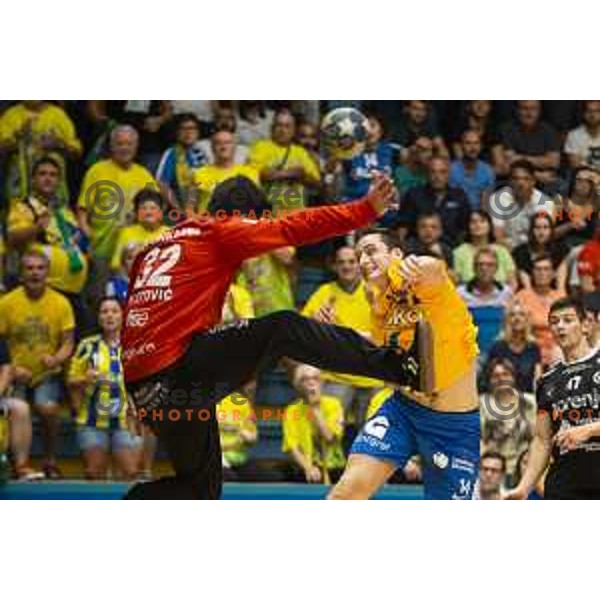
(104, 406)
(51, 119)
(396, 312)
(234, 415)
(107, 196)
(238, 304)
(207, 178)
(266, 154)
(33, 328)
(352, 310)
(300, 431)
(134, 234)
(22, 215)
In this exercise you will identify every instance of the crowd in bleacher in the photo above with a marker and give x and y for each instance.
(506, 193)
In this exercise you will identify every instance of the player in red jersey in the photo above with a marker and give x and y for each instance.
(178, 362)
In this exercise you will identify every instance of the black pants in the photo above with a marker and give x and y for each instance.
(179, 403)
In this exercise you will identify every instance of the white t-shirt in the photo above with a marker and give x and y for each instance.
(507, 215)
(580, 143)
(201, 108)
(248, 133)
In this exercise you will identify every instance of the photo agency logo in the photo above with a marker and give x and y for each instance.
(504, 402)
(109, 401)
(104, 200)
(499, 202)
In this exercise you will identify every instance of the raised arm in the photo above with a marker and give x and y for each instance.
(245, 238)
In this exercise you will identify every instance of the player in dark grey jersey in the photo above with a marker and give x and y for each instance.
(568, 424)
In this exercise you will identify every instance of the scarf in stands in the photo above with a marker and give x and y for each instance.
(186, 162)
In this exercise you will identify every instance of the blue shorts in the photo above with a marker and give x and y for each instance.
(448, 444)
(118, 439)
(47, 392)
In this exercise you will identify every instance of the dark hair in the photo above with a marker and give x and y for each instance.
(542, 258)
(145, 195)
(534, 218)
(500, 361)
(523, 164)
(496, 456)
(240, 194)
(45, 160)
(184, 118)
(488, 218)
(429, 215)
(569, 302)
(386, 237)
(576, 172)
(518, 474)
(108, 299)
(245, 104)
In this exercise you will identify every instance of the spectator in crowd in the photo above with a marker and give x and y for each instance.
(118, 284)
(417, 120)
(513, 207)
(97, 390)
(177, 165)
(32, 129)
(313, 426)
(223, 167)
(204, 111)
(225, 120)
(38, 325)
(105, 202)
(588, 263)
(470, 173)
(413, 172)
(530, 138)
(377, 156)
(269, 278)
(429, 239)
(478, 116)
(517, 344)
(238, 305)
(508, 414)
(577, 218)
(542, 242)
(40, 220)
(492, 472)
(238, 432)
(150, 119)
(591, 302)
(2, 259)
(437, 196)
(344, 302)
(582, 146)
(147, 228)
(486, 298)
(480, 234)
(255, 121)
(286, 169)
(538, 491)
(536, 301)
(307, 136)
(19, 418)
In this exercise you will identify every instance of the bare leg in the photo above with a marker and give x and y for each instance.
(362, 478)
(127, 461)
(49, 417)
(20, 432)
(95, 463)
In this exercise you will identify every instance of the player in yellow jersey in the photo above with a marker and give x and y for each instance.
(410, 297)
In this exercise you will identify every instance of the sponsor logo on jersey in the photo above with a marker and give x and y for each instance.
(143, 350)
(137, 318)
(464, 491)
(440, 460)
(377, 427)
(462, 464)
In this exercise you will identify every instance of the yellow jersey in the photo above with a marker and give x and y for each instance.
(62, 276)
(352, 310)
(134, 234)
(104, 404)
(49, 120)
(33, 328)
(106, 195)
(397, 310)
(238, 304)
(207, 177)
(267, 154)
(300, 431)
(234, 415)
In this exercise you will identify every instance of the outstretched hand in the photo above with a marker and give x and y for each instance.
(382, 194)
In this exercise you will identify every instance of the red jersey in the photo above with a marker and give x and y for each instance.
(588, 262)
(178, 284)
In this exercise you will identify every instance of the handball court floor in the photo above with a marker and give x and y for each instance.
(83, 490)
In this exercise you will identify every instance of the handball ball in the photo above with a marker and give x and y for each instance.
(344, 133)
